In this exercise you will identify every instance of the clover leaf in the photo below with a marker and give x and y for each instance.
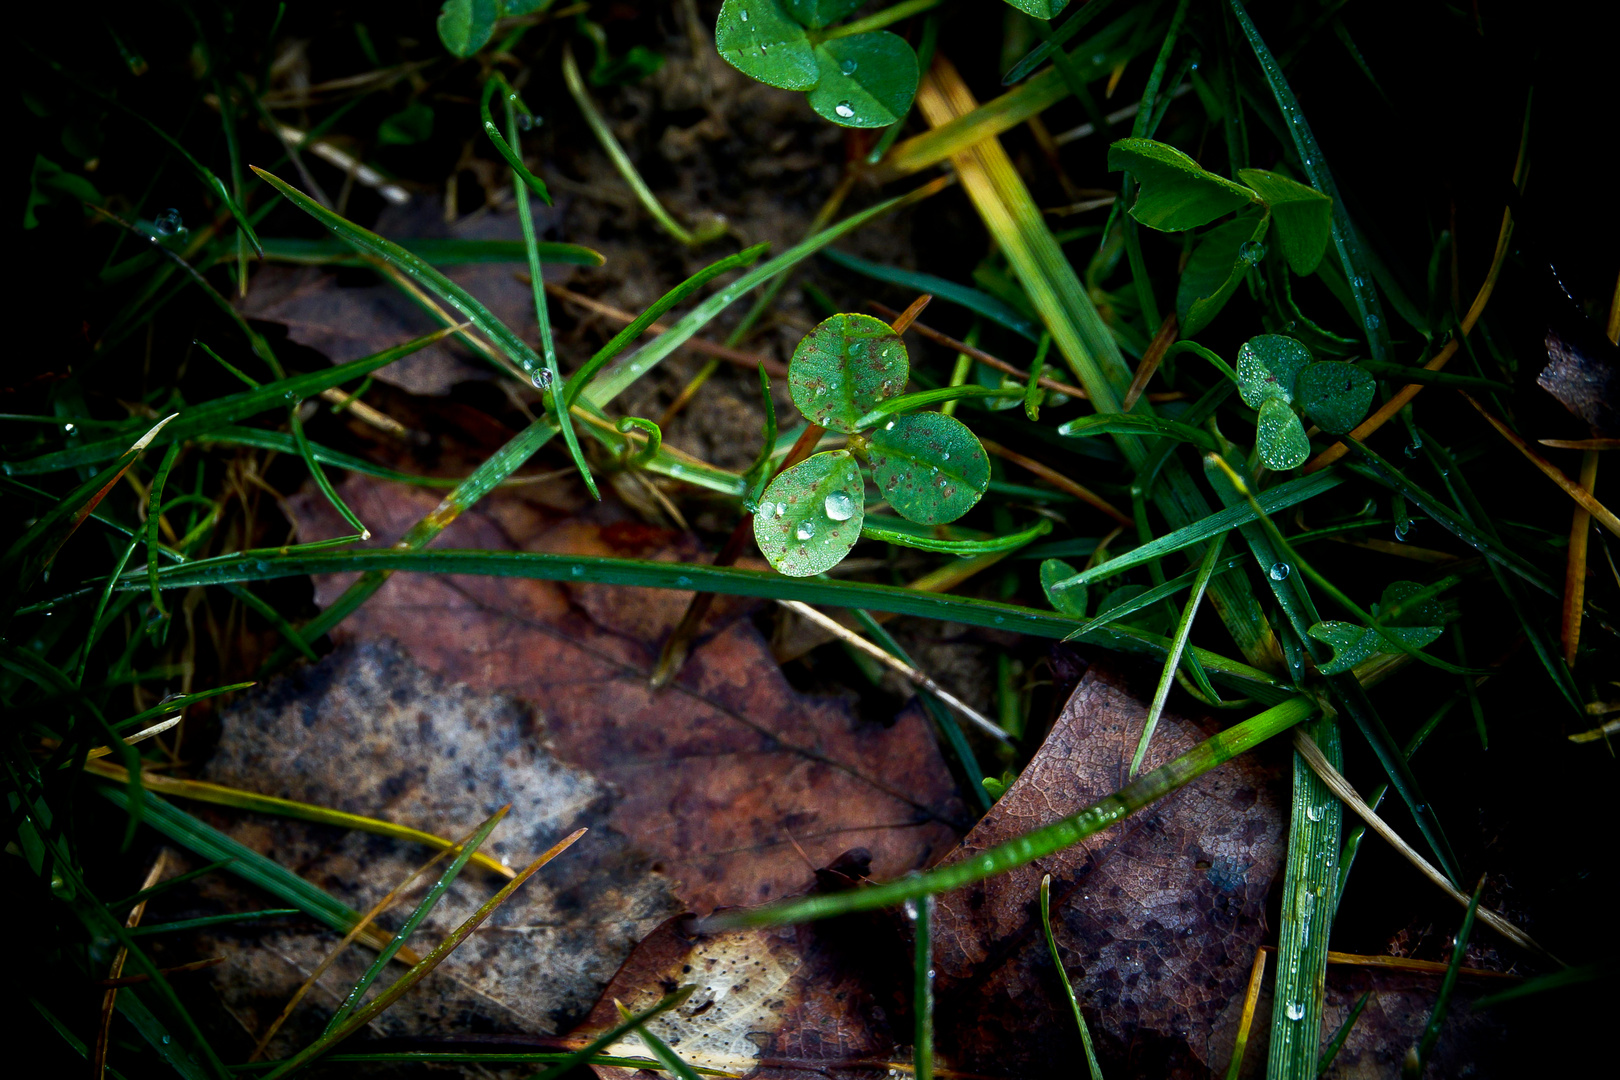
(844, 367)
(1267, 368)
(811, 515)
(1335, 395)
(929, 466)
(1216, 269)
(1303, 217)
(1069, 601)
(859, 80)
(1415, 622)
(1176, 193)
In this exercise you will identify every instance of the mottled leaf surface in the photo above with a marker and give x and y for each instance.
(844, 367)
(929, 466)
(811, 515)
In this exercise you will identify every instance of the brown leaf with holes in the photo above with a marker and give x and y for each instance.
(1157, 918)
(733, 782)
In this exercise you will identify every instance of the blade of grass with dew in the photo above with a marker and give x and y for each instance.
(247, 864)
(1063, 975)
(100, 609)
(1179, 642)
(283, 442)
(268, 564)
(1010, 542)
(1113, 614)
(438, 251)
(510, 151)
(1308, 907)
(193, 422)
(548, 379)
(429, 901)
(922, 987)
(1418, 1056)
(419, 971)
(669, 1060)
(510, 345)
(220, 795)
(1345, 241)
(1022, 850)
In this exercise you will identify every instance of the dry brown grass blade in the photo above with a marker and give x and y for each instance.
(1348, 795)
(178, 969)
(98, 1049)
(1058, 480)
(1583, 497)
(902, 322)
(1156, 349)
(1581, 444)
(1580, 528)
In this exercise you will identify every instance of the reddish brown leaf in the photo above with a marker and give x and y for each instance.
(719, 776)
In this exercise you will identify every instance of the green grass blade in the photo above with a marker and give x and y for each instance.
(174, 705)
(1060, 37)
(526, 179)
(283, 442)
(1040, 842)
(1137, 424)
(551, 384)
(1273, 500)
(1315, 164)
(1336, 1043)
(438, 251)
(513, 347)
(429, 901)
(101, 608)
(1418, 1055)
(201, 419)
(1063, 974)
(1206, 568)
(1541, 984)
(321, 481)
(166, 884)
(212, 920)
(1307, 915)
(247, 864)
(922, 987)
(154, 512)
(1011, 542)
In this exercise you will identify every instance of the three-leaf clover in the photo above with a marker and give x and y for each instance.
(848, 375)
(862, 80)
(465, 26)
(1177, 194)
(1276, 374)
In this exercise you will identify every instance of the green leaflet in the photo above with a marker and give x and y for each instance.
(1303, 217)
(763, 41)
(865, 80)
(1216, 269)
(843, 368)
(812, 514)
(465, 26)
(1176, 192)
(929, 466)
(1335, 394)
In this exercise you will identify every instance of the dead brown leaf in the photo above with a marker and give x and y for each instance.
(731, 780)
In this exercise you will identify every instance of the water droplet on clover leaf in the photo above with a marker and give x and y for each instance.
(806, 529)
(167, 223)
(839, 506)
(848, 67)
(843, 109)
(1251, 251)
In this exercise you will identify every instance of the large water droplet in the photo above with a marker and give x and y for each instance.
(889, 426)
(1372, 322)
(839, 506)
(1402, 527)
(541, 378)
(745, 16)
(1279, 571)
(167, 223)
(844, 109)
(1314, 813)
(525, 122)
(1296, 1010)
(806, 529)
(69, 429)
(781, 508)
(1251, 251)
(848, 67)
